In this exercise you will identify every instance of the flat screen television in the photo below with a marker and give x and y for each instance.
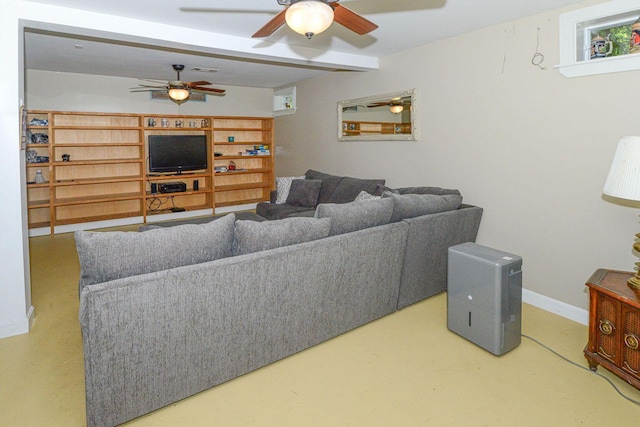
(177, 153)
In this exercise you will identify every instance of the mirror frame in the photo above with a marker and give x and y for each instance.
(413, 136)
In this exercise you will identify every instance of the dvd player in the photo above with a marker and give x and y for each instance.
(172, 187)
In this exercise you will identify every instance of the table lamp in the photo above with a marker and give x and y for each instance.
(624, 182)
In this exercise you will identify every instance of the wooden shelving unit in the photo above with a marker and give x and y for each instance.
(375, 128)
(39, 194)
(97, 167)
(253, 179)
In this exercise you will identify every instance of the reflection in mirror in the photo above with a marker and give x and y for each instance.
(388, 117)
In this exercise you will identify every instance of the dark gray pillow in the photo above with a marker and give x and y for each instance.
(252, 236)
(112, 255)
(304, 192)
(358, 215)
(412, 205)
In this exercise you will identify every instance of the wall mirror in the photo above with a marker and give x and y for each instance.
(387, 117)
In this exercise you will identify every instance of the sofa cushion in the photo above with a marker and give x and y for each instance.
(353, 216)
(329, 184)
(426, 190)
(349, 188)
(112, 255)
(283, 185)
(304, 192)
(274, 211)
(251, 236)
(412, 205)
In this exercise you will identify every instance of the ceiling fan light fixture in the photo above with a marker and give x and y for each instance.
(178, 94)
(309, 17)
(396, 108)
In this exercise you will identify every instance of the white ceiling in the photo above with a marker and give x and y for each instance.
(403, 24)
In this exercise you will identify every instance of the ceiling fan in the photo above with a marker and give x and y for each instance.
(310, 17)
(178, 90)
(307, 17)
(396, 105)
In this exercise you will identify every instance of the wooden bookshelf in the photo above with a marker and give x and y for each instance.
(97, 165)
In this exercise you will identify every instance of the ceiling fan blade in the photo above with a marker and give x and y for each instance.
(149, 86)
(153, 80)
(147, 90)
(192, 84)
(271, 26)
(220, 10)
(351, 20)
(207, 89)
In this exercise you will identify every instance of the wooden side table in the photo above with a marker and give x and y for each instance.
(614, 325)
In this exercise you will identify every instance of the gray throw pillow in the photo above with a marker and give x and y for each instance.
(412, 205)
(357, 215)
(112, 255)
(304, 192)
(252, 236)
(283, 185)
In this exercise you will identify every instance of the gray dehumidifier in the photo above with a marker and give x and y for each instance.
(484, 296)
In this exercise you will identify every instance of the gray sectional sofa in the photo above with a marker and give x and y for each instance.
(169, 312)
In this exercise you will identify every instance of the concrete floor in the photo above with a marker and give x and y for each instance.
(406, 369)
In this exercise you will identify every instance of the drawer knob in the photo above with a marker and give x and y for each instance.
(631, 341)
(606, 327)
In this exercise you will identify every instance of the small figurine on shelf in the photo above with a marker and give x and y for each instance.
(39, 179)
(232, 166)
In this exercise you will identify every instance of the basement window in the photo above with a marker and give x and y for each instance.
(610, 22)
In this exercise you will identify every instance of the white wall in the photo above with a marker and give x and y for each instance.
(16, 312)
(81, 92)
(528, 145)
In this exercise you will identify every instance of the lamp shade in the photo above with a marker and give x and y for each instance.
(309, 17)
(396, 108)
(178, 94)
(624, 176)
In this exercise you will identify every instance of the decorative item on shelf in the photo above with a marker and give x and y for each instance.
(635, 37)
(179, 123)
(623, 182)
(39, 122)
(164, 123)
(39, 138)
(192, 123)
(204, 123)
(600, 47)
(151, 122)
(66, 157)
(32, 156)
(231, 139)
(232, 166)
(39, 179)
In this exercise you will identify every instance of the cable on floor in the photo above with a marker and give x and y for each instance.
(636, 402)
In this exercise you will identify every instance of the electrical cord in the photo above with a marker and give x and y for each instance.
(636, 402)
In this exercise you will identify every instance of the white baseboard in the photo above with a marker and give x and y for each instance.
(557, 307)
(20, 327)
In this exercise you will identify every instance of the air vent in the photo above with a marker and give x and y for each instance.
(204, 69)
